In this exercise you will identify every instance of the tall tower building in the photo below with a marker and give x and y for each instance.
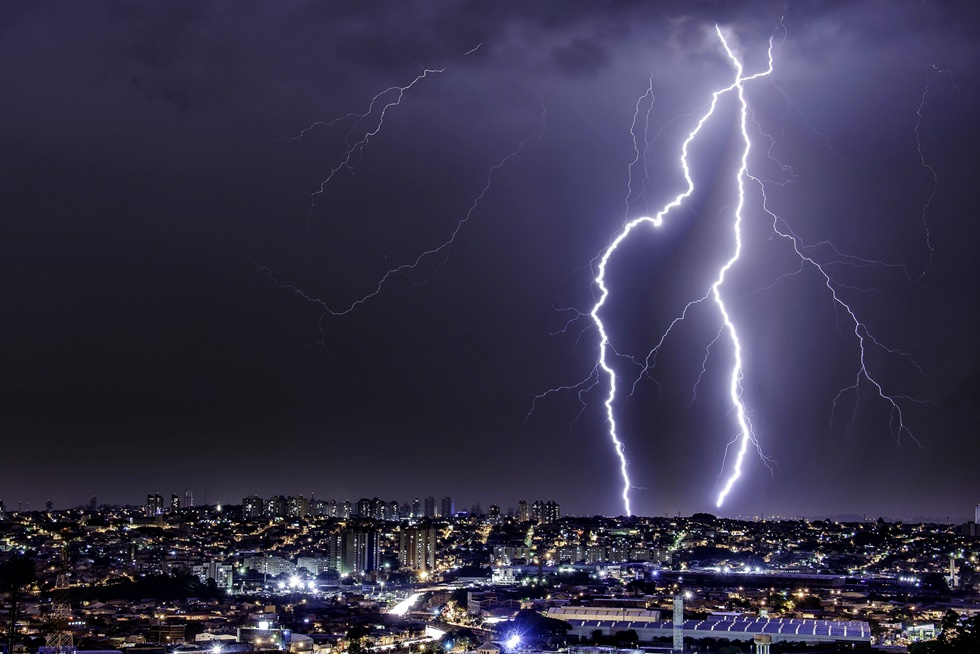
(537, 511)
(335, 552)
(299, 507)
(552, 511)
(447, 508)
(154, 504)
(253, 506)
(277, 507)
(417, 548)
(174, 503)
(359, 551)
(523, 511)
(430, 507)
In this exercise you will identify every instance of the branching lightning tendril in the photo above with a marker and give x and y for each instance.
(355, 149)
(348, 160)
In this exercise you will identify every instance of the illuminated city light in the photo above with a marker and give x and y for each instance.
(403, 607)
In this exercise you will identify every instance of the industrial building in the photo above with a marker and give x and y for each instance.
(646, 624)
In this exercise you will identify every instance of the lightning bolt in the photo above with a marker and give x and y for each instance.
(735, 381)
(806, 253)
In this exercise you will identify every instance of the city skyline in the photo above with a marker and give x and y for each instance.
(212, 218)
(522, 509)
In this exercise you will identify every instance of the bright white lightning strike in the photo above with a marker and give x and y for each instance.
(806, 253)
(745, 426)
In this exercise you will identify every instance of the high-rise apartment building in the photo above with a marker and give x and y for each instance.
(277, 507)
(447, 508)
(335, 552)
(537, 511)
(154, 504)
(359, 551)
(430, 507)
(417, 548)
(552, 511)
(523, 511)
(299, 507)
(253, 506)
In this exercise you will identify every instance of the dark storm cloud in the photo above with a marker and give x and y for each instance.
(145, 182)
(581, 56)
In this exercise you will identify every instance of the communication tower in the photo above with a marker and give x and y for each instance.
(678, 623)
(59, 639)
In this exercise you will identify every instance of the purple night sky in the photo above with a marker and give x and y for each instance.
(148, 186)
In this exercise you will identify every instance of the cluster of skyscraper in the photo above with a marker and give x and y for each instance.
(282, 506)
(298, 506)
(155, 506)
(354, 551)
(549, 511)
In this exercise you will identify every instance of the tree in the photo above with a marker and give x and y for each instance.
(628, 638)
(534, 625)
(357, 632)
(355, 637)
(809, 603)
(957, 637)
(15, 573)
